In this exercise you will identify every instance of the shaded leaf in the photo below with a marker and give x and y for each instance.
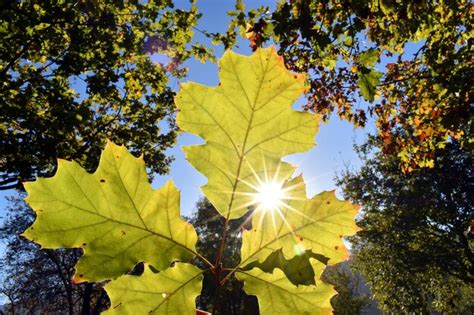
(368, 81)
(298, 269)
(113, 214)
(369, 58)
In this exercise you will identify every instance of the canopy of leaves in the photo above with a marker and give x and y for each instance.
(353, 296)
(423, 48)
(416, 246)
(113, 215)
(75, 73)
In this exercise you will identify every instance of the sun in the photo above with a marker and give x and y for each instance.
(269, 196)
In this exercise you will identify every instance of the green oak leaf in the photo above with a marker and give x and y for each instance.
(171, 291)
(300, 224)
(369, 58)
(248, 124)
(368, 81)
(297, 269)
(277, 295)
(114, 215)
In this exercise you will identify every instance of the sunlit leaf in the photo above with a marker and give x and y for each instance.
(248, 125)
(172, 291)
(113, 214)
(301, 224)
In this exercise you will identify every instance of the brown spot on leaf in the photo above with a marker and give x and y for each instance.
(336, 247)
(102, 180)
(301, 238)
(123, 233)
(84, 244)
(328, 202)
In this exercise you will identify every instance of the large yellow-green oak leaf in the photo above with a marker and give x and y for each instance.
(248, 124)
(114, 215)
(171, 291)
(300, 224)
(277, 295)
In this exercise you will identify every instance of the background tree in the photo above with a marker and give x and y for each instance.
(40, 281)
(352, 294)
(416, 246)
(209, 225)
(424, 48)
(75, 73)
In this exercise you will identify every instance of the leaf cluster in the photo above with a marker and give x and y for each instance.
(119, 221)
(411, 61)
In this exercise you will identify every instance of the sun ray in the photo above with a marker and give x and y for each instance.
(274, 227)
(286, 223)
(287, 206)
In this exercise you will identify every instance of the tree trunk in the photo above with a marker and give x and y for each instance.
(86, 299)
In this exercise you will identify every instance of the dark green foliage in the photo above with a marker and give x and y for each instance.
(352, 295)
(415, 249)
(75, 73)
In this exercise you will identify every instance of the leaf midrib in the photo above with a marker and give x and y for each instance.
(249, 127)
(108, 219)
(128, 224)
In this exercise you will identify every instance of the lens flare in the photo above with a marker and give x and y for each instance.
(269, 196)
